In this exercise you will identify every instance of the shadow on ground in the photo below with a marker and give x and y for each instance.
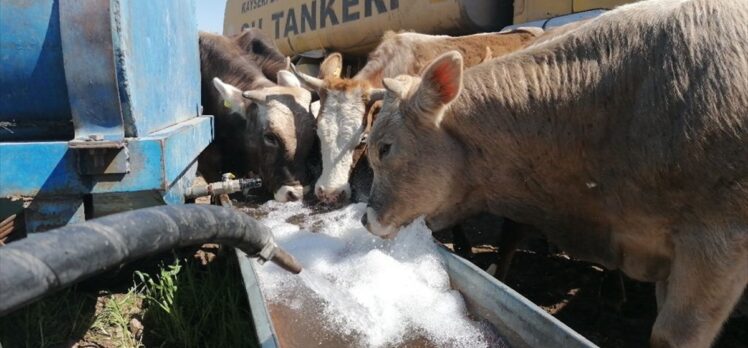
(181, 303)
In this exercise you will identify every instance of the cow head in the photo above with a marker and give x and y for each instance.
(279, 132)
(345, 105)
(417, 165)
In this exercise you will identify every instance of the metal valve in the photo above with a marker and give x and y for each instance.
(229, 185)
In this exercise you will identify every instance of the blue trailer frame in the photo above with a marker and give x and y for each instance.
(99, 106)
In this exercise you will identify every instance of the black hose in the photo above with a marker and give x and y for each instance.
(49, 261)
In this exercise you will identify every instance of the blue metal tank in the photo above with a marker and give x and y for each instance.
(103, 67)
(33, 94)
(99, 103)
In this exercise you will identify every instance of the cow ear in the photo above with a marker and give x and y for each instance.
(332, 66)
(288, 79)
(314, 108)
(232, 96)
(256, 96)
(441, 83)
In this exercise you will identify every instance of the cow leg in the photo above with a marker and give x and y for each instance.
(707, 277)
(512, 234)
(461, 242)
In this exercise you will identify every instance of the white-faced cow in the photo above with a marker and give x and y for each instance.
(625, 140)
(261, 127)
(348, 107)
(346, 103)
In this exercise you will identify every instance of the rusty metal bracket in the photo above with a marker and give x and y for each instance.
(97, 156)
(99, 161)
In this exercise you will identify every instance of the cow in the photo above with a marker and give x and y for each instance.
(625, 141)
(348, 105)
(261, 127)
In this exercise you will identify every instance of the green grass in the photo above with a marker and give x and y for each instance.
(53, 322)
(180, 304)
(111, 324)
(191, 306)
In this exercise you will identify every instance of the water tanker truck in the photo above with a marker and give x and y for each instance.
(310, 28)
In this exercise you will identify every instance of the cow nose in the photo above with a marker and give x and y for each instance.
(292, 197)
(324, 196)
(365, 220)
(289, 193)
(332, 196)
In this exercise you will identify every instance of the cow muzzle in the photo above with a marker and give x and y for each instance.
(370, 220)
(289, 193)
(333, 196)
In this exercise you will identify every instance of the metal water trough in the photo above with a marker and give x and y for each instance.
(519, 321)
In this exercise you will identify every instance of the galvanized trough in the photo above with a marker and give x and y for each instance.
(519, 321)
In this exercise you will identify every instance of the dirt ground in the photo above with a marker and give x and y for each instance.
(585, 297)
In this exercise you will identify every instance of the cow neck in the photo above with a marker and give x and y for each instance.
(374, 78)
(510, 102)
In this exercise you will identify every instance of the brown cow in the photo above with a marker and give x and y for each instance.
(268, 130)
(341, 124)
(347, 107)
(625, 140)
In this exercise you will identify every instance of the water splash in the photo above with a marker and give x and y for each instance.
(380, 293)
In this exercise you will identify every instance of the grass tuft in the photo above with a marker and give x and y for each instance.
(189, 305)
(111, 325)
(180, 304)
(56, 321)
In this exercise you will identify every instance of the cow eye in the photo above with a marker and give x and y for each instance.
(384, 150)
(270, 139)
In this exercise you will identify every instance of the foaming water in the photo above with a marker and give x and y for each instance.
(359, 290)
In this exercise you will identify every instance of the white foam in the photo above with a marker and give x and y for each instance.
(385, 292)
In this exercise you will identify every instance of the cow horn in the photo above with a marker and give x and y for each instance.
(255, 96)
(287, 79)
(311, 83)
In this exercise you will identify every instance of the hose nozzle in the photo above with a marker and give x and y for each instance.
(272, 252)
(286, 261)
